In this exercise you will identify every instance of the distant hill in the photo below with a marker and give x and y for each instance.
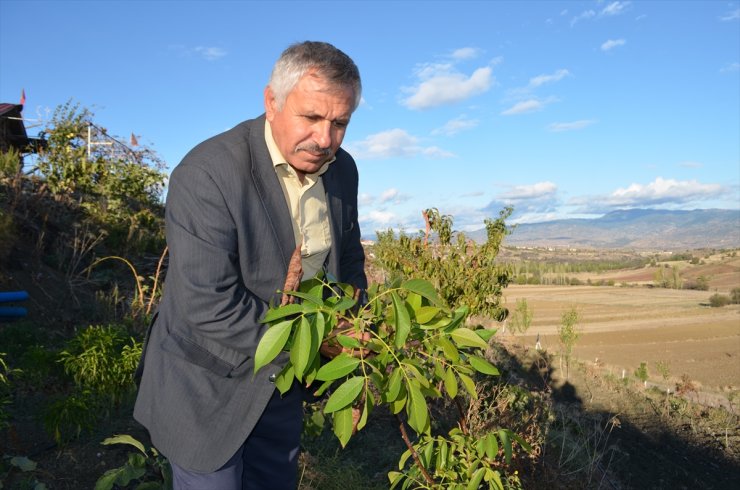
(641, 229)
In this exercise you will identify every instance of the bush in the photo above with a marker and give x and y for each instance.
(735, 296)
(718, 300)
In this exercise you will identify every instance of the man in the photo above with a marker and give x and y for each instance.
(237, 207)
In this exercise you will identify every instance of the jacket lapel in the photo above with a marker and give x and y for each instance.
(270, 193)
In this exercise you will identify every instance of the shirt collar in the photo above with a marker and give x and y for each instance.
(277, 157)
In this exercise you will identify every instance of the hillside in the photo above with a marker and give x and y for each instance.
(639, 229)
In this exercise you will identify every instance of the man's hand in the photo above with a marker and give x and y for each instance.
(331, 348)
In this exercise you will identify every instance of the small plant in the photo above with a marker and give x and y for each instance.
(5, 390)
(663, 369)
(641, 373)
(102, 360)
(568, 336)
(147, 467)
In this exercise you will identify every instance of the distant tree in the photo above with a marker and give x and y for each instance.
(521, 319)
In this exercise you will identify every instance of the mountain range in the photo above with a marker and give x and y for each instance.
(639, 229)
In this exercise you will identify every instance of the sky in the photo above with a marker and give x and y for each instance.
(558, 109)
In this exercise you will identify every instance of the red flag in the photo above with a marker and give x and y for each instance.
(134, 141)
(23, 96)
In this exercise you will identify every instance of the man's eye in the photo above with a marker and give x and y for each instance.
(340, 124)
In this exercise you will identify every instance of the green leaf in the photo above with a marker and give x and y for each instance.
(125, 439)
(491, 445)
(503, 434)
(442, 455)
(342, 422)
(464, 337)
(282, 312)
(314, 300)
(450, 383)
(522, 442)
(271, 344)
(457, 318)
(343, 304)
(486, 333)
(108, 479)
(394, 385)
(23, 463)
(340, 366)
(423, 288)
(449, 349)
(426, 314)
(469, 384)
(348, 342)
(366, 409)
(345, 394)
(284, 380)
(394, 477)
(476, 479)
(416, 409)
(402, 320)
(149, 485)
(300, 351)
(482, 366)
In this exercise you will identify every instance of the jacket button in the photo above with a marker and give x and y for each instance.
(272, 378)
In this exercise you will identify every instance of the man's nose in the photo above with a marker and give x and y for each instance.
(322, 134)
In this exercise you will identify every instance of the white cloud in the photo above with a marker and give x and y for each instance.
(210, 53)
(662, 191)
(524, 107)
(393, 143)
(586, 14)
(379, 217)
(526, 192)
(365, 199)
(731, 15)
(570, 126)
(442, 84)
(454, 126)
(612, 43)
(730, 68)
(543, 79)
(614, 8)
(465, 53)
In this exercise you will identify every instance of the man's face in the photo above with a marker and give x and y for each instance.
(311, 125)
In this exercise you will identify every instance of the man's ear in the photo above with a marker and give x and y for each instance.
(270, 104)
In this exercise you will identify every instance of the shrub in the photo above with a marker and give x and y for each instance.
(719, 300)
(735, 296)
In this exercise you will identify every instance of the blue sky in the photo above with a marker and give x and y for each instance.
(560, 109)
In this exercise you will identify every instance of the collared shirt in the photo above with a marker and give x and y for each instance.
(308, 210)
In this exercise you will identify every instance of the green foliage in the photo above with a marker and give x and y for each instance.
(119, 191)
(463, 273)
(521, 319)
(10, 163)
(663, 369)
(402, 349)
(7, 235)
(103, 360)
(641, 373)
(568, 336)
(735, 296)
(459, 460)
(147, 468)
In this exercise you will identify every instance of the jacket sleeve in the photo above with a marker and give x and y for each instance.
(217, 312)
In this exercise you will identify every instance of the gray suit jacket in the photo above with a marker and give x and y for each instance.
(230, 238)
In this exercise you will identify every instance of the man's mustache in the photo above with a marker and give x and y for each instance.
(313, 148)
